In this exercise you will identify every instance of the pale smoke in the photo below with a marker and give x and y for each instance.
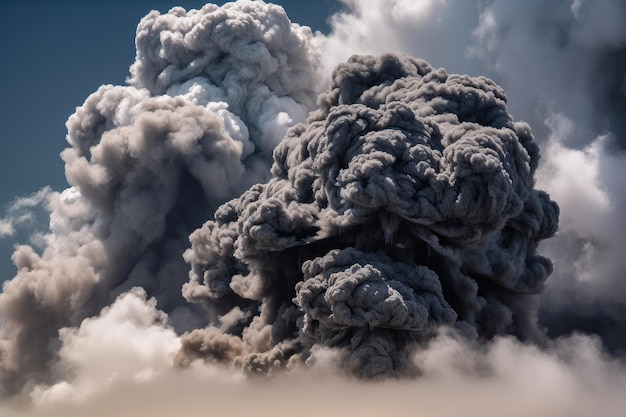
(396, 234)
(572, 378)
(212, 92)
(570, 61)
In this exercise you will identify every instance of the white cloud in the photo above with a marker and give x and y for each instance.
(23, 211)
(573, 378)
(128, 341)
(588, 251)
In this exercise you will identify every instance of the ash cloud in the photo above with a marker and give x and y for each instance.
(405, 204)
(397, 233)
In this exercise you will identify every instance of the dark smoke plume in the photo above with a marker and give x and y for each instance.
(211, 93)
(563, 67)
(406, 203)
(394, 232)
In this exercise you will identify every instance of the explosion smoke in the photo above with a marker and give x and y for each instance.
(405, 204)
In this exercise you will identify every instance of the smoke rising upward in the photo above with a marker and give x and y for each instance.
(406, 203)
(237, 209)
(212, 92)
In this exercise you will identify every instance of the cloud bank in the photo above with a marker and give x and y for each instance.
(379, 220)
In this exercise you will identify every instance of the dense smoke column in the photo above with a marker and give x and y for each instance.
(211, 93)
(405, 204)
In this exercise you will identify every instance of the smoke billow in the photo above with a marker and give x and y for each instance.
(211, 93)
(405, 204)
(574, 69)
(563, 66)
(236, 209)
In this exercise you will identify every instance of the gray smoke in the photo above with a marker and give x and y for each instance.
(563, 66)
(397, 233)
(211, 93)
(406, 203)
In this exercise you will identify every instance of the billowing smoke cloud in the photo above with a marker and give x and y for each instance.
(406, 204)
(212, 92)
(563, 66)
(396, 233)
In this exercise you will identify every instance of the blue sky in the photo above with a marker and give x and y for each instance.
(54, 54)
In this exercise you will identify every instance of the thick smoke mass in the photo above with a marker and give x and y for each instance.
(562, 65)
(264, 200)
(405, 204)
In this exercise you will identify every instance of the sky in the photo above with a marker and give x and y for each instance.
(516, 270)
